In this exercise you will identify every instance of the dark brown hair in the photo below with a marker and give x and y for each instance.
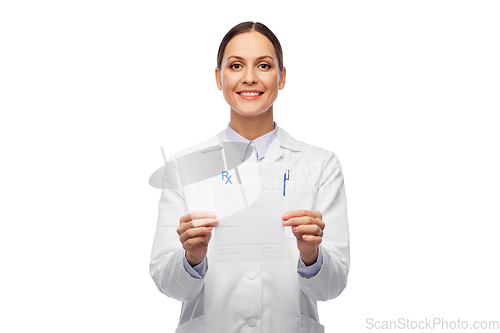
(247, 27)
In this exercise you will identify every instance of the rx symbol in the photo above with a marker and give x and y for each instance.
(225, 174)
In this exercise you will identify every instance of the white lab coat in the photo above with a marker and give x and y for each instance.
(267, 297)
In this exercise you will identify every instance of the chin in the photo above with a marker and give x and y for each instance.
(250, 113)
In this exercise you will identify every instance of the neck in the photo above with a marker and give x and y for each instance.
(252, 127)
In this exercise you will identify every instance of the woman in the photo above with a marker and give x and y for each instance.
(255, 296)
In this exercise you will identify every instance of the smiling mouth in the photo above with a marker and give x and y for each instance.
(250, 94)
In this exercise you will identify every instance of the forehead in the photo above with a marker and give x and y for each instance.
(249, 45)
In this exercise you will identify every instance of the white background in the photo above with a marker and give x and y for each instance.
(406, 93)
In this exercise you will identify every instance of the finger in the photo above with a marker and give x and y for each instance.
(195, 232)
(191, 217)
(202, 215)
(204, 222)
(191, 242)
(300, 220)
(312, 239)
(300, 212)
(198, 215)
(196, 224)
(185, 218)
(308, 229)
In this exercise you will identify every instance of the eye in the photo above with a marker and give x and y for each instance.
(235, 66)
(266, 66)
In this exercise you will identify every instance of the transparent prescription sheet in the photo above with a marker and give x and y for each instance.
(249, 202)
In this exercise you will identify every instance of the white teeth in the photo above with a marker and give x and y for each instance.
(250, 94)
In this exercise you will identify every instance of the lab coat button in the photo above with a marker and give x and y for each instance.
(251, 275)
(251, 322)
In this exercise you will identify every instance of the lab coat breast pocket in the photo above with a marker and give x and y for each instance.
(308, 325)
(301, 193)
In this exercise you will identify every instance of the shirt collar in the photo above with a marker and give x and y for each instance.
(260, 144)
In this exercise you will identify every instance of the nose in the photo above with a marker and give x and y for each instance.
(249, 76)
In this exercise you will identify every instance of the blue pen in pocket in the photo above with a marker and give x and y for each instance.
(285, 178)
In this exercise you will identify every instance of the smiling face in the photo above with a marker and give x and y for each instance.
(249, 76)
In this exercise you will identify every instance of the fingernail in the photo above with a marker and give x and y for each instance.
(284, 216)
(215, 221)
(285, 222)
(294, 228)
(212, 215)
(209, 228)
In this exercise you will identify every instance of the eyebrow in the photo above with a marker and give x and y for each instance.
(258, 58)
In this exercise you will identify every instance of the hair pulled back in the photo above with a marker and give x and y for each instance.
(247, 27)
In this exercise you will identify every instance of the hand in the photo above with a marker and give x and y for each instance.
(195, 231)
(307, 227)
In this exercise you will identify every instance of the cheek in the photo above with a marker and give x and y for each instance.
(272, 82)
(228, 85)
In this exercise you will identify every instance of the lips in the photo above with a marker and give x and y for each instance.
(250, 94)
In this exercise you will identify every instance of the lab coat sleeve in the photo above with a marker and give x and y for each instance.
(331, 279)
(310, 271)
(194, 271)
(166, 266)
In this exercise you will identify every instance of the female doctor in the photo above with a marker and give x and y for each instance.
(266, 296)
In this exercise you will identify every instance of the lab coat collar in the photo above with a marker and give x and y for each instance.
(283, 141)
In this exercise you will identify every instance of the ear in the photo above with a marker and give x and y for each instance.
(282, 79)
(217, 78)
